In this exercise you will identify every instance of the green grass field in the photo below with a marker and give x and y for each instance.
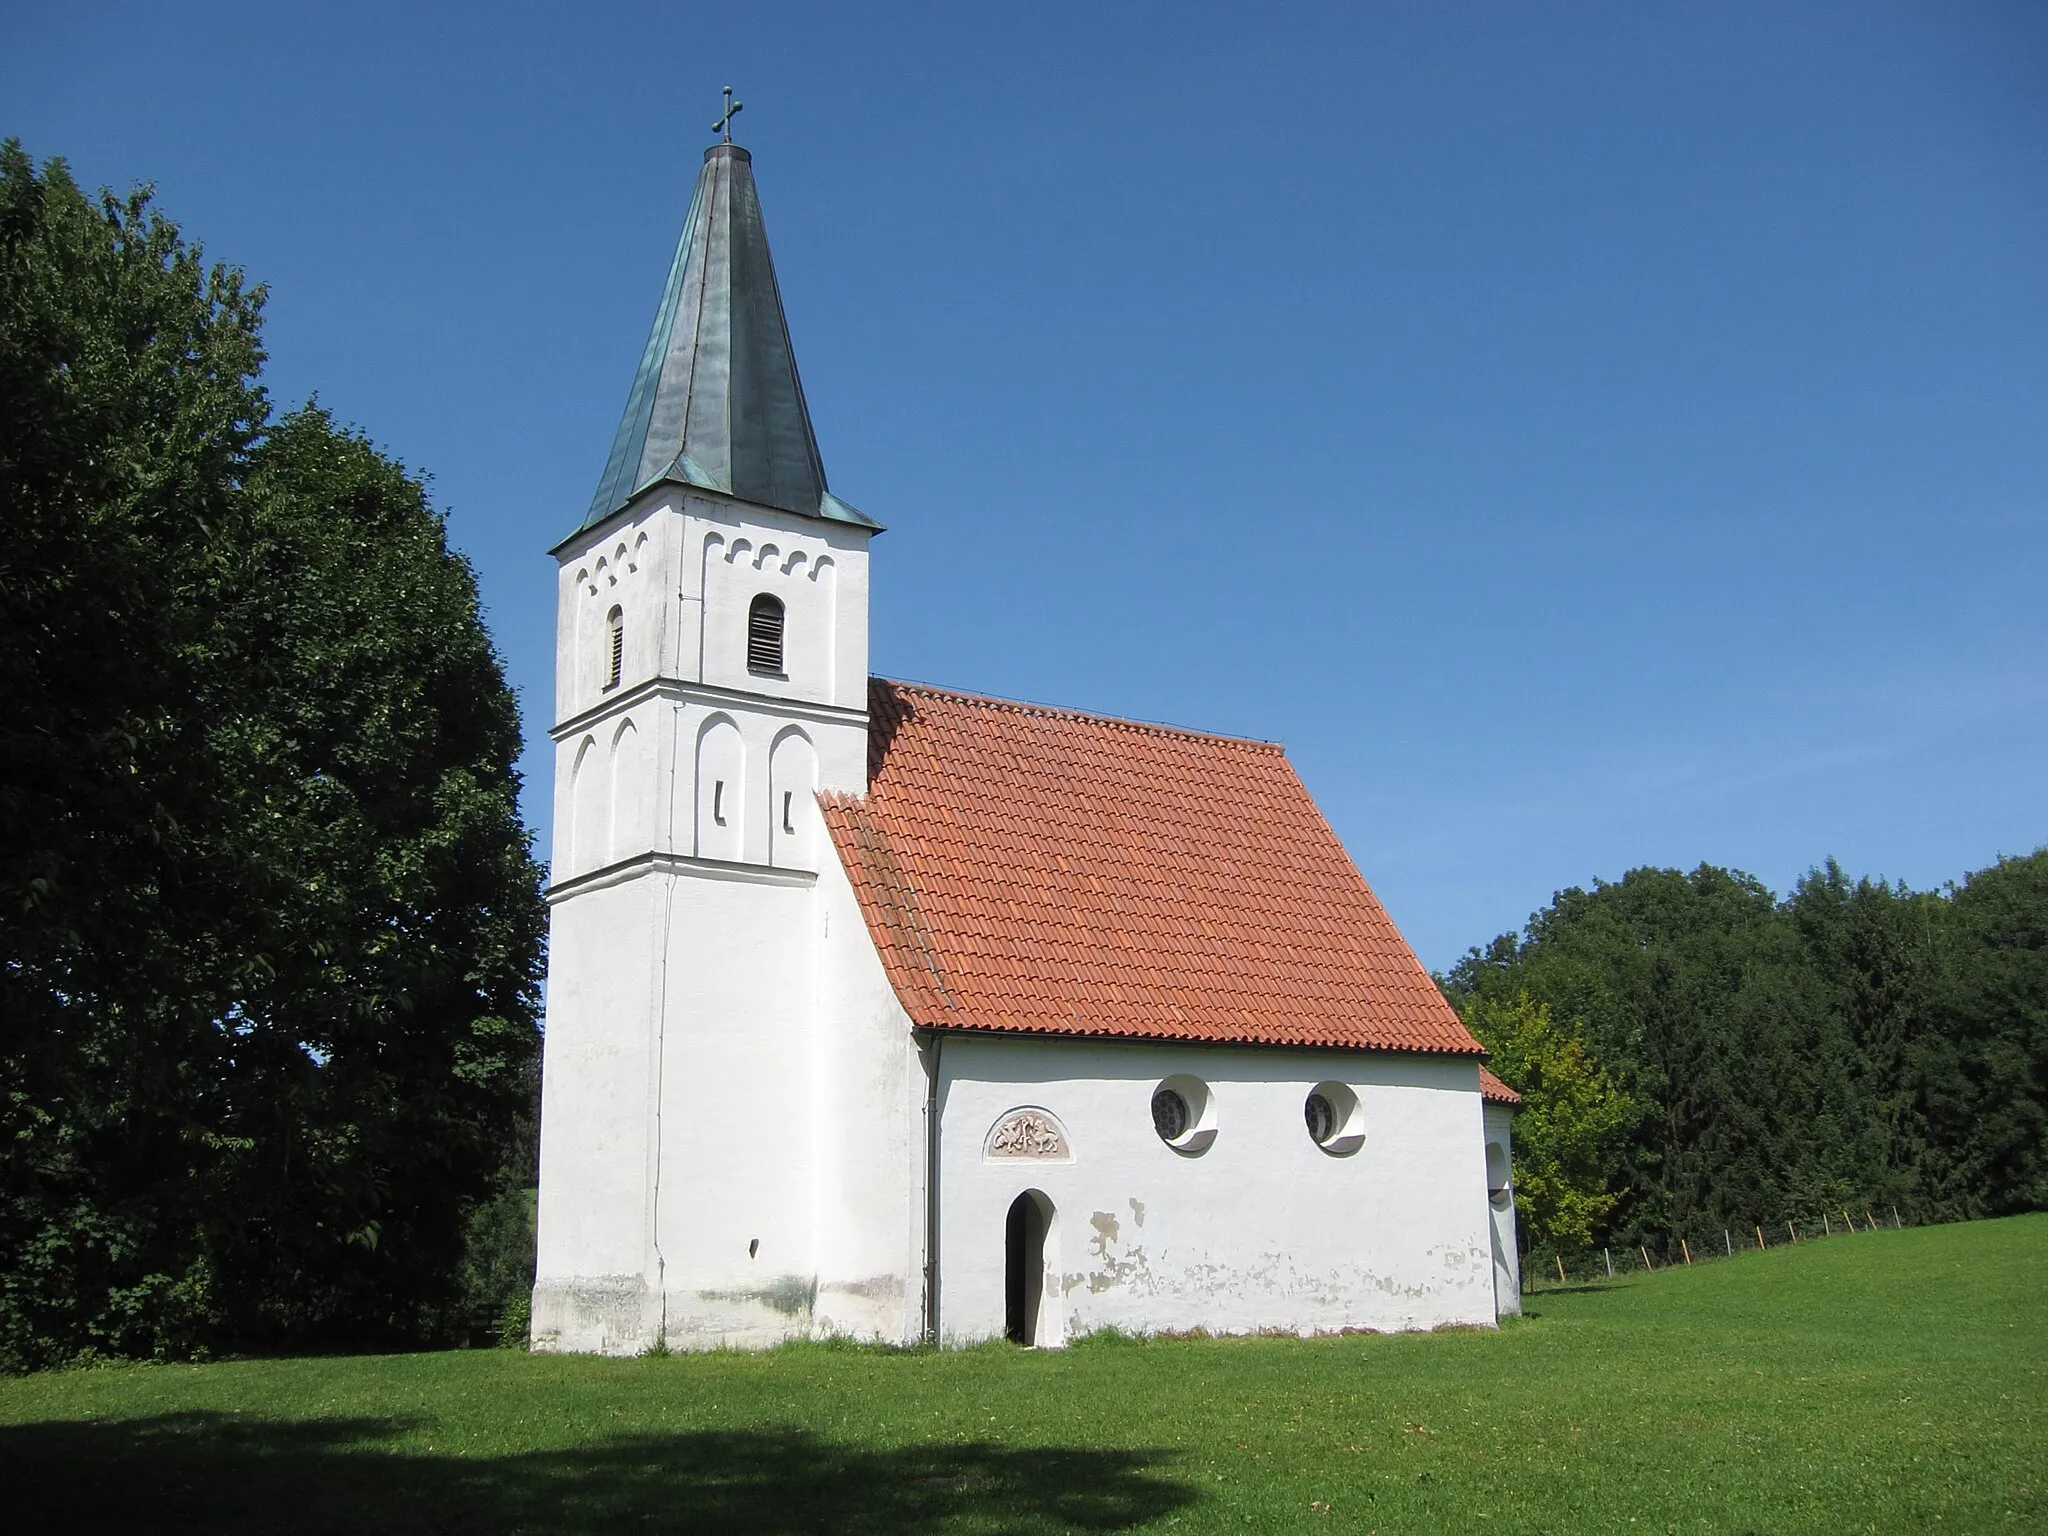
(1890, 1381)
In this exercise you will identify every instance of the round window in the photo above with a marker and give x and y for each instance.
(1322, 1119)
(1184, 1114)
(1169, 1115)
(1335, 1121)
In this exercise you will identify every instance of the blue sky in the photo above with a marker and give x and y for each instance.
(1586, 435)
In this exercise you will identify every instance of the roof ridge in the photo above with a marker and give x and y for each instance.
(1121, 722)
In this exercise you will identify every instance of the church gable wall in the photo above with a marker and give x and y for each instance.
(1250, 1225)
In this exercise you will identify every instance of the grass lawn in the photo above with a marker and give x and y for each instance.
(1890, 1381)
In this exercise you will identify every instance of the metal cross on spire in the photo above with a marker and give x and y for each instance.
(732, 110)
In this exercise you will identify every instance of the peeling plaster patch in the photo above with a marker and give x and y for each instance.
(1129, 1270)
(1119, 1272)
(1138, 1212)
(1105, 1231)
(1459, 1261)
(787, 1294)
(1271, 1290)
(1272, 1276)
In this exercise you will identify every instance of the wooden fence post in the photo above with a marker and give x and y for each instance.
(1686, 1248)
(1793, 1230)
(1826, 1227)
(1608, 1255)
(1849, 1219)
(1560, 1267)
(1645, 1252)
(1728, 1242)
(1869, 1218)
(1895, 1216)
(1759, 1239)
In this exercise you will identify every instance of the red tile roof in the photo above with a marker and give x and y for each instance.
(1033, 870)
(1494, 1091)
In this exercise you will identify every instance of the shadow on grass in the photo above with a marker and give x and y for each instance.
(222, 1472)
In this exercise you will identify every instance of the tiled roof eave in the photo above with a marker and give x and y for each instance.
(1206, 1037)
(1494, 1091)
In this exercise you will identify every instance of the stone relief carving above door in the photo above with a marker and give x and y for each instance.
(1028, 1133)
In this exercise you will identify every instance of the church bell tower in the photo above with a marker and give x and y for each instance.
(711, 678)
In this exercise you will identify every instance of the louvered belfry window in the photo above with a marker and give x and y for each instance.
(764, 635)
(616, 621)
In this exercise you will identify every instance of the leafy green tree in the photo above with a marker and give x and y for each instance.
(1573, 1126)
(271, 929)
(1694, 996)
(1856, 1042)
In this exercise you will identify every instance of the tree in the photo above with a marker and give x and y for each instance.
(271, 925)
(1694, 996)
(1978, 1067)
(1857, 1042)
(1573, 1127)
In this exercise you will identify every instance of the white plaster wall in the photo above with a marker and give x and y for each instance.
(869, 1194)
(733, 1241)
(1263, 1230)
(1507, 1259)
(775, 1123)
(597, 1144)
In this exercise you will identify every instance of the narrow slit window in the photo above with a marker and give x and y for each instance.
(615, 639)
(764, 635)
(787, 797)
(718, 802)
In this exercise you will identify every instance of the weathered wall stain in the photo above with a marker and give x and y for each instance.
(873, 1288)
(608, 1304)
(1272, 1274)
(788, 1294)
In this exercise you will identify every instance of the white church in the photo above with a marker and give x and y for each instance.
(895, 1013)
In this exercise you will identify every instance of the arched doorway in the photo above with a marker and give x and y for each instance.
(1024, 1268)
